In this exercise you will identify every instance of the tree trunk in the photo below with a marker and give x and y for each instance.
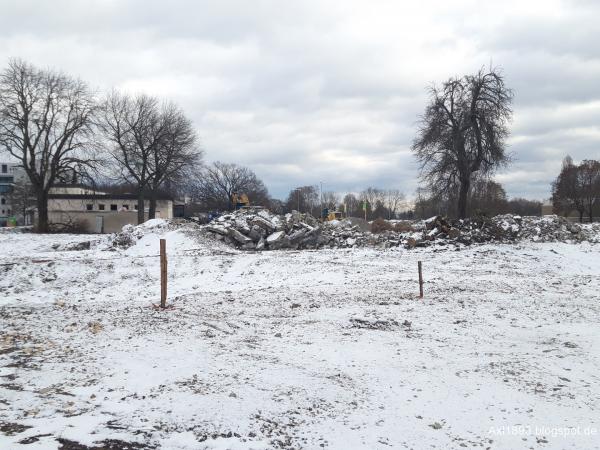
(580, 216)
(462, 198)
(152, 205)
(42, 209)
(140, 210)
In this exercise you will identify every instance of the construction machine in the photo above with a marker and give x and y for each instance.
(328, 215)
(239, 200)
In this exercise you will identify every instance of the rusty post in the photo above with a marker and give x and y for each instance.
(163, 273)
(420, 279)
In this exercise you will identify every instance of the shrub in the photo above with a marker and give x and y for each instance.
(403, 227)
(380, 225)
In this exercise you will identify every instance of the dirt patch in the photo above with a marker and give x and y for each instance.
(10, 429)
(109, 444)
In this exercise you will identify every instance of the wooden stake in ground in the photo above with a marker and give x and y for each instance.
(420, 279)
(163, 273)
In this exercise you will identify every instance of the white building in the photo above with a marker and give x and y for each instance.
(99, 212)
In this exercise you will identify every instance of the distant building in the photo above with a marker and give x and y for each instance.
(99, 212)
(9, 174)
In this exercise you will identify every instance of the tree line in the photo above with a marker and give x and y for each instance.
(371, 202)
(485, 198)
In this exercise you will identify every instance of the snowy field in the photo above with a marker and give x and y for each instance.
(310, 349)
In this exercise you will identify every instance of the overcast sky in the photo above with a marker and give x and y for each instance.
(330, 91)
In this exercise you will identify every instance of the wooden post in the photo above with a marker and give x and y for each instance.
(420, 279)
(163, 273)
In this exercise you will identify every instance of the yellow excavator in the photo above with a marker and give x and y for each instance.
(328, 215)
(239, 200)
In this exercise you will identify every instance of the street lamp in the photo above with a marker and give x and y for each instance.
(321, 194)
(321, 198)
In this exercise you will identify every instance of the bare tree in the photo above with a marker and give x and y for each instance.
(331, 200)
(568, 190)
(394, 199)
(303, 199)
(174, 154)
(590, 177)
(375, 200)
(216, 183)
(46, 122)
(134, 129)
(463, 131)
(351, 205)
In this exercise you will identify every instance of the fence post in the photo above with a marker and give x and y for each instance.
(163, 273)
(420, 279)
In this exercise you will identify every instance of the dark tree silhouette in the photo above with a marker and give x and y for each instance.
(215, 184)
(577, 187)
(134, 129)
(152, 144)
(463, 132)
(46, 121)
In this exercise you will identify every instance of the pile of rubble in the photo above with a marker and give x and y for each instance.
(252, 229)
(259, 229)
(546, 229)
(507, 228)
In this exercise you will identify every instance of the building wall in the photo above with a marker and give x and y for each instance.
(107, 220)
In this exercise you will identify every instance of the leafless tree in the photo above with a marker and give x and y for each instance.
(375, 200)
(351, 205)
(152, 144)
(331, 200)
(590, 181)
(394, 199)
(174, 155)
(303, 199)
(46, 123)
(216, 183)
(568, 190)
(134, 129)
(463, 132)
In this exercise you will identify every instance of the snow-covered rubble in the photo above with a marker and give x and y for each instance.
(259, 229)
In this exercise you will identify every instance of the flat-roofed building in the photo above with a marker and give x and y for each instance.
(98, 212)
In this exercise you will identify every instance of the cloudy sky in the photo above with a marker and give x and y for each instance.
(310, 91)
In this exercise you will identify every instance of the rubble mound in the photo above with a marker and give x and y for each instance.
(259, 229)
(510, 228)
(252, 229)
(130, 234)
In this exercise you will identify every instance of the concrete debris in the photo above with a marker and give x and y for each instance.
(261, 230)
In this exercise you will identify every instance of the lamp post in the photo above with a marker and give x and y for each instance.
(321, 190)
(321, 194)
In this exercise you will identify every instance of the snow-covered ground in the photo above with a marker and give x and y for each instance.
(297, 349)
